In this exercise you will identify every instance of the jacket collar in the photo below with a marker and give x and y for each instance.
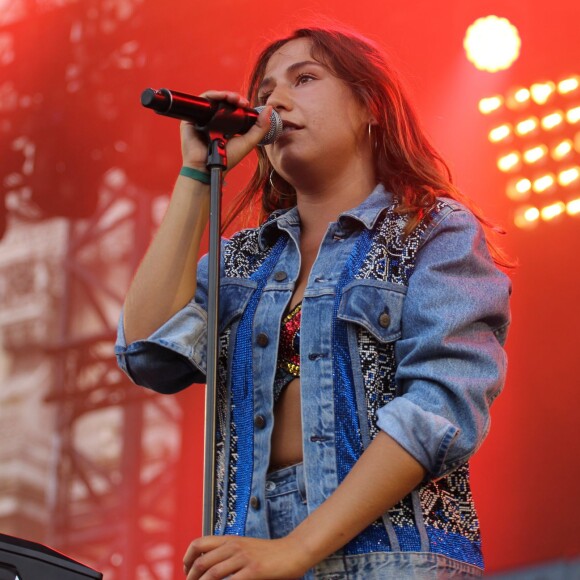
(367, 214)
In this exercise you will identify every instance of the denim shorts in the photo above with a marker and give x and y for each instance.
(286, 505)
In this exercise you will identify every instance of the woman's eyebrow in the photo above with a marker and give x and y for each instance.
(291, 69)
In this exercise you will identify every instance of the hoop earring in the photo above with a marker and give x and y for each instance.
(272, 186)
(373, 142)
(282, 196)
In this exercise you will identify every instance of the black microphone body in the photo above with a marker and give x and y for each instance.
(207, 115)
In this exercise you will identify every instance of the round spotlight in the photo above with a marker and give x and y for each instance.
(492, 43)
(509, 162)
(488, 105)
(527, 126)
(552, 211)
(541, 92)
(562, 150)
(519, 189)
(573, 207)
(527, 217)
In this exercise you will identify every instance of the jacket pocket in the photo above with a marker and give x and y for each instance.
(374, 305)
(235, 294)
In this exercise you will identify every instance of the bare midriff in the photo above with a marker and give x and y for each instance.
(287, 433)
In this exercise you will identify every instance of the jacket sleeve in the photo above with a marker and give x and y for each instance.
(450, 359)
(174, 356)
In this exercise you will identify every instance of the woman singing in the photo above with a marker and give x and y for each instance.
(361, 330)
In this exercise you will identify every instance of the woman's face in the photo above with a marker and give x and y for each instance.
(324, 125)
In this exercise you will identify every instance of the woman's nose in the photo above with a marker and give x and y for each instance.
(279, 99)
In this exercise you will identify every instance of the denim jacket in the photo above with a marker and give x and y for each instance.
(400, 333)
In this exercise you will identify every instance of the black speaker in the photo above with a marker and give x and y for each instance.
(24, 560)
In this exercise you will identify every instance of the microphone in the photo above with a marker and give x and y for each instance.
(219, 116)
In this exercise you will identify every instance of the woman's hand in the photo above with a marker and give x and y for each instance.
(194, 146)
(241, 558)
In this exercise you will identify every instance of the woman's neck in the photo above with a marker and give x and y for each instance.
(320, 205)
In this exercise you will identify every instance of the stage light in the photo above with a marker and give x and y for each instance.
(527, 126)
(492, 43)
(519, 189)
(500, 133)
(547, 134)
(535, 154)
(544, 183)
(568, 85)
(573, 207)
(509, 162)
(488, 105)
(526, 217)
(562, 150)
(552, 120)
(552, 211)
(573, 115)
(541, 92)
(518, 98)
(568, 176)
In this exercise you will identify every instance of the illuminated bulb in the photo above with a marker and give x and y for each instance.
(577, 142)
(519, 189)
(562, 150)
(535, 153)
(551, 211)
(573, 207)
(526, 217)
(568, 85)
(541, 92)
(488, 105)
(532, 214)
(509, 161)
(492, 43)
(543, 183)
(573, 115)
(527, 126)
(552, 120)
(568, 176)
(518, 98)
(500, 133)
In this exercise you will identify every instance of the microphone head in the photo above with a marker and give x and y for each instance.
(275, 130)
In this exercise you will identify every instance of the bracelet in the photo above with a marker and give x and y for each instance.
(195, 174)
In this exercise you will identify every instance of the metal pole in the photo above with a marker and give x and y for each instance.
(217, 162)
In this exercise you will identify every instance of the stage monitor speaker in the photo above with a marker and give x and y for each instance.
(25, 560)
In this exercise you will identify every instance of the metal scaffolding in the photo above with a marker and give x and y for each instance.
(114, 509)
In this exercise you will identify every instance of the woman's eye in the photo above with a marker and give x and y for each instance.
(263, 98)
(304, 78)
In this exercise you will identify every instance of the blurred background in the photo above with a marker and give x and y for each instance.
(111, 474)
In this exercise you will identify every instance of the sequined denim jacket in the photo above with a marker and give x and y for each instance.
(399, 333)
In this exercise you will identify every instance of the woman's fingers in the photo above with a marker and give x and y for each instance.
(194, 146)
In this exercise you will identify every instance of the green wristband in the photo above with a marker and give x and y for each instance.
(195, 174)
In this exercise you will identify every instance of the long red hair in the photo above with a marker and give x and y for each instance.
(406, 163)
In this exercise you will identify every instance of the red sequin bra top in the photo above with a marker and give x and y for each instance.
(288, 367)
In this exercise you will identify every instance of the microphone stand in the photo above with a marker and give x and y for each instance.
(217, 163)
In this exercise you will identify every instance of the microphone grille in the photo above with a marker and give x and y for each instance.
(275, 128)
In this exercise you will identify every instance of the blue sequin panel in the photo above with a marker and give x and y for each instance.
(349, 446)
(241, 460)
(455, 546)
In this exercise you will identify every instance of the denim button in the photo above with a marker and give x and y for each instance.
(270, 486)
(384, 320)
(262, 339)
(255, 502)
(260, 421)
(280, 276)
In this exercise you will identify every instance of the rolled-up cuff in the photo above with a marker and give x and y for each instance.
(172, 357)
(426, 436)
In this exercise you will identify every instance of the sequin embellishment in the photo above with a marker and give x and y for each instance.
(289, 349)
